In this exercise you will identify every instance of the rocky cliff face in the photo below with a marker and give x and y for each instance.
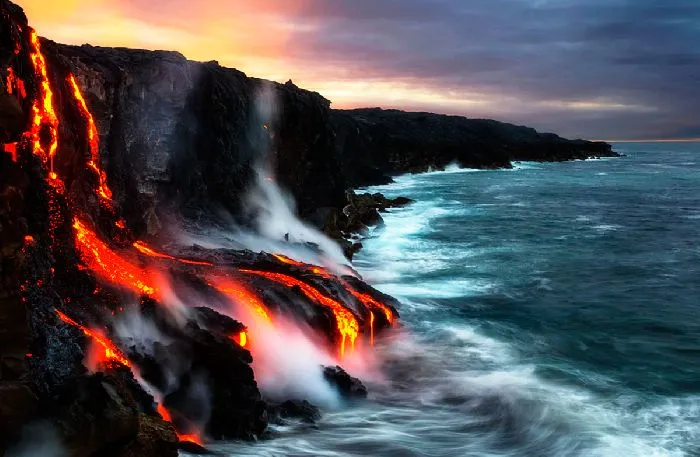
(96, 145)
(373, 143)
(175, 129)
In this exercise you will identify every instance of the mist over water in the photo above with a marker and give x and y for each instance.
(549, 310)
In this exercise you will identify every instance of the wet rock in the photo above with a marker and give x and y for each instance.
(294, 409)
(218, 389)
(348, 386)
(194, 448)
(155, 437)
(96, 414)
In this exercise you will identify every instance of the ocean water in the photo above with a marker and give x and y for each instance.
(549, 310)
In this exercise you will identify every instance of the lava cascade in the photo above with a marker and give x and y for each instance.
(43, 114)
(242, 295)
(105, 263)
(346, 322)
(93, 138)
(145, 249)
(111, 353)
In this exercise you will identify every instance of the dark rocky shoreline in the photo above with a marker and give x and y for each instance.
(181, 137)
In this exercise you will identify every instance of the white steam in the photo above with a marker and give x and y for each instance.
(276, 228)
(276, 220)
(38, 440)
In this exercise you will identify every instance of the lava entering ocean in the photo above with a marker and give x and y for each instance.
(94, 260)
(346, 322)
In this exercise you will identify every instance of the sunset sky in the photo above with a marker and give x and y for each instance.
(600, 69)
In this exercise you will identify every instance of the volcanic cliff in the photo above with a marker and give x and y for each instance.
(102, 148)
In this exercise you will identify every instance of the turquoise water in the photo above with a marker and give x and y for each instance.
(549, 310)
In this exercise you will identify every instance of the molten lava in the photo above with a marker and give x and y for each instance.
(143, 248)
(371, 302)
(11, 148)
(110, 353)
(43, 114)
(241, 339)
(103, 190)
(165, 414)
(15, 85)
(367, 300)
(312, 268)
(240, 294)
(101, 260)
(347, 324)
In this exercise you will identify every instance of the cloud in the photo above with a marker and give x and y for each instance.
(583, 68)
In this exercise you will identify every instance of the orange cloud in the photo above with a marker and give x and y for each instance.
(247, 35)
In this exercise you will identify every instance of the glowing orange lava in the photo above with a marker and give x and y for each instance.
(312, 268)
(143, 248)
(44, 115)
(14, 84)
(240, 294)
(371, 302)
(94, 140)
(365, 299)
(347, 324)
(111, 352)
(371, 328)
(241, 339)
(11, 148)
(165, 414)
(106, 263)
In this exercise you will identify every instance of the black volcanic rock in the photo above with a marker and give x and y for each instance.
(348, 386)
(294, 409)
(373, 144)
(174, 130)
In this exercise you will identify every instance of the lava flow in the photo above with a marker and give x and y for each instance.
(347, 324)
(143, 248)
(44, 116)
(365, 299)
(15, 85)
(111, 352)
(371, 302)
(101, 260)
(94, 141)
(312, 268)
(182, 437)
(241, 339)
(240, 294)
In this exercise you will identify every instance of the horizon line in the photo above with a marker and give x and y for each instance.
(663, 140)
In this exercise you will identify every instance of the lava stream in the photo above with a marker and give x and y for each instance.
(145, 249)
(347, 324)
(103, 190)
(365, 299)
(42, 109)
(111, 352)
(186, 437)
(240, 294)
(101, 260)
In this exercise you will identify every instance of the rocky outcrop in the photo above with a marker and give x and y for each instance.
(373, 144)
(348, 387)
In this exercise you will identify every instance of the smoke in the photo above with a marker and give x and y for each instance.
(286, 359)
(272, 221)
(38, 439)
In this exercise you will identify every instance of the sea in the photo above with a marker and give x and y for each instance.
(548, 310)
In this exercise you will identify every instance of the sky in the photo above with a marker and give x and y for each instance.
(595, 69)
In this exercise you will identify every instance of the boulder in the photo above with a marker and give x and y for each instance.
(349, 387)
